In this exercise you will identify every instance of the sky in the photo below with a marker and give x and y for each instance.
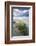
(17, 12)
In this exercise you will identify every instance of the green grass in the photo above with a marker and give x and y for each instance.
(22, 28)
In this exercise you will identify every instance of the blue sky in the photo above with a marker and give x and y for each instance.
(20, 12)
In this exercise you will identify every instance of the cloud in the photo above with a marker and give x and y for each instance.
(17, 12)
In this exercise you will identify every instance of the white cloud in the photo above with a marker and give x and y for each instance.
(17, 12)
